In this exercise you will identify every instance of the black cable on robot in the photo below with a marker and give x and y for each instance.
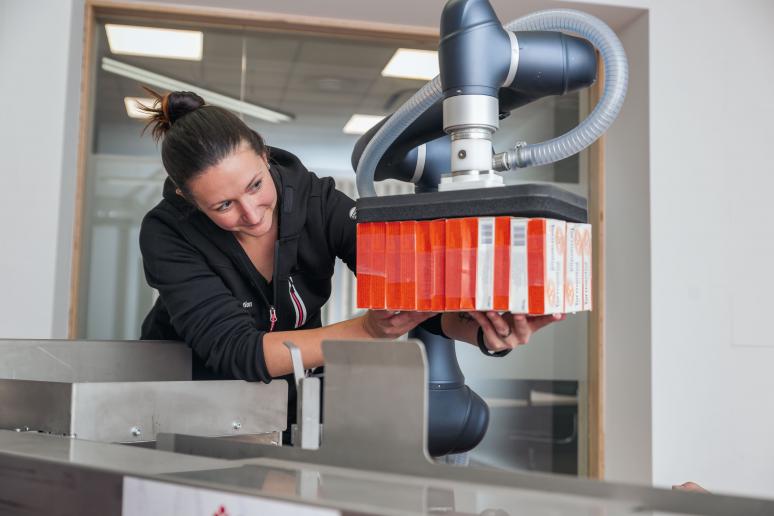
(526, 200)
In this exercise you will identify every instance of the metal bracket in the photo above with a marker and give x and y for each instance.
(375, 412)
(306, 432)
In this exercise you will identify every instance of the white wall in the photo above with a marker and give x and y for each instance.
(628, 276)
(39, 79)
(711, 177)
(703, 349)
(688, 377)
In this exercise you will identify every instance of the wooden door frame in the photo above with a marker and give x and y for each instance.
(595, 354)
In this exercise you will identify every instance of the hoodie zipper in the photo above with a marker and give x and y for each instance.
(272, 309)
(272, 317)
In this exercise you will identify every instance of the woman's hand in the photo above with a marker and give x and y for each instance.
(690, 486)
(384, 324)
(508, 331)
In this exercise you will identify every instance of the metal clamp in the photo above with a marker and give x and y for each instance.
(306, 432)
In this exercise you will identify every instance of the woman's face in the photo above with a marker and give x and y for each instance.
(238, 193)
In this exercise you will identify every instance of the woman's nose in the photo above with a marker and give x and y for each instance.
(250, 215)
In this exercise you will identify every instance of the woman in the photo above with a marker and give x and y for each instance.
(242, 248)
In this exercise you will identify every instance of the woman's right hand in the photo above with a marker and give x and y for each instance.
(385, 324)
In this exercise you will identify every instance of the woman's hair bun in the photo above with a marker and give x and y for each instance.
(168, 109)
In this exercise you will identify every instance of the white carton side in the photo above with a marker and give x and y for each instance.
(584, 234)
(485, 264)
(518, 293)
(554, 267)
(573, 276)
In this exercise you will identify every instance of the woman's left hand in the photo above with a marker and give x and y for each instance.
(508, 331)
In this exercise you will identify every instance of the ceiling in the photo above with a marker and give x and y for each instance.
(320, 80)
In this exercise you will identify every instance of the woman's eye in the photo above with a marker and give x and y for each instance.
(256, 185)
(224, 206)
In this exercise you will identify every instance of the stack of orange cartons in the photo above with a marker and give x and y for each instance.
(507, 264)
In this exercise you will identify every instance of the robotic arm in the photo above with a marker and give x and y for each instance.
(482, 79)
(441, 140)
(549, 63)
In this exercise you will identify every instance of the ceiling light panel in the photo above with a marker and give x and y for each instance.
(216, 99)
(360, 124)
(153, 42)
(133, 106)
(409, 63)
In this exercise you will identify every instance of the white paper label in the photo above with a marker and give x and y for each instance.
(485, 264)
(573, 277)
(584, 234)
(518, 294)
(554, 271)
(153, 498)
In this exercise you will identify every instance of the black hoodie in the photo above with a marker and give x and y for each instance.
(213, 298)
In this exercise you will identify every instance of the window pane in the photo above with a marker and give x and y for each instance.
(536, 395)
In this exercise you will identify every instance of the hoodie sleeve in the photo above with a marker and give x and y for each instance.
(340, 227)
(202, 309)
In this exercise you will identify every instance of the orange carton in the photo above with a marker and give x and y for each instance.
(546, 240)
(492, 263)
(408, 266)
(392, 265)
(453, 272)
(378, 280)
(584, 236)
(573, 269)
(363, 267)
(518, 291)
(438, 257)
(469, 249)
(424, 265)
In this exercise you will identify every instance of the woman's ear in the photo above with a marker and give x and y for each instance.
(178, 192)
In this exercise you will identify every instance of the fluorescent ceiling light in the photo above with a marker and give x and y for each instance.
(152, 42)
(409, 63)
(360, 124)
(133, 106)
(215, 99)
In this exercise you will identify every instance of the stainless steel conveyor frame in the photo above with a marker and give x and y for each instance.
(128, 392)
(372, 460)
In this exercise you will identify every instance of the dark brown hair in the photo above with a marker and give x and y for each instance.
(195, 136)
